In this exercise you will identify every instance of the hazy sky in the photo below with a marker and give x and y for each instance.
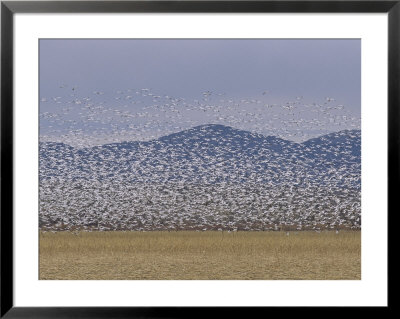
(240, 76)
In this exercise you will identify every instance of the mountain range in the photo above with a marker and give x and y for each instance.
(210, 154)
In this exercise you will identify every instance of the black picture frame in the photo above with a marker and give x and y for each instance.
(9, 8)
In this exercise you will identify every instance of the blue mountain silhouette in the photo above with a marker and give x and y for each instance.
(212, 154)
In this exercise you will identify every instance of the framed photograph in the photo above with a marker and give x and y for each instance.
(158, 156)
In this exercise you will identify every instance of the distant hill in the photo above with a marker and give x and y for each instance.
(212, 154)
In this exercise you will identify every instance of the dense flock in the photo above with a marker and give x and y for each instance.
(176, 175)
(117, 206)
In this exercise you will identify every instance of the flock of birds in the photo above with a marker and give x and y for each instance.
(87, 119)
(145, 161)
(145, 207)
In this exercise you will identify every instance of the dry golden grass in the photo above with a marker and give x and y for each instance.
(200, 255)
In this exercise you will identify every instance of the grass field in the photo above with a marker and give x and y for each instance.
(200, 255)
